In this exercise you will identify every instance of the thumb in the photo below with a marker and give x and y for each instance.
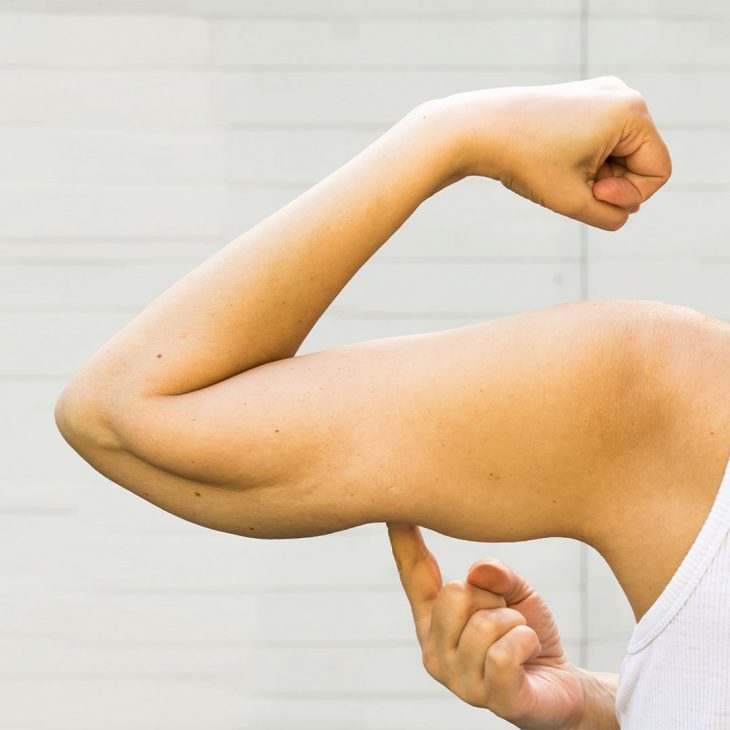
(597, 212)
(491, 574)
(614, 183)
(618, 191)
(636, 168)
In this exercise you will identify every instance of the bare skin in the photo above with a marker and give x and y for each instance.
(494, 643)
(607, 422)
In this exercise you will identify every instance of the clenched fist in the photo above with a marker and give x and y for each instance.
(586, 149)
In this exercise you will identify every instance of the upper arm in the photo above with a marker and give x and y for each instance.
(496, 431)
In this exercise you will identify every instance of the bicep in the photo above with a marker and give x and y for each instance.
(496, 431)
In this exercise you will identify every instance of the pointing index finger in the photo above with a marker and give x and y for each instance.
(419, 574)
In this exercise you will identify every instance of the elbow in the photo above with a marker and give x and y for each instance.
(81, 419)
(67, 416)
(61, 416)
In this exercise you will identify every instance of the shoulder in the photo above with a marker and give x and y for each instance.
(671, 478)
(677, 372)
(676, 360)
(689, 351)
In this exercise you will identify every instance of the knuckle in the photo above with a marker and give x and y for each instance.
(499, 657)
(455, 591)
(515, 617)
(613, 82)
(635, 100)
(430, 661)
(483, 619)
(490, 620)
(455, 587)
(471, 688)
(480, 622)
(667, 166)
(617, 223)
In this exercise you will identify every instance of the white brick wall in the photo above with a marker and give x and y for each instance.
(137, 137)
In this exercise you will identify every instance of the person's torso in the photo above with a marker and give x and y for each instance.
(676, 673)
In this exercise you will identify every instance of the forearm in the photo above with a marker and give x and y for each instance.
(256, 299)
(600, 700)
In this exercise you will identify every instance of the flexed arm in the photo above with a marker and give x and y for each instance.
(199, 406)
(256, 300)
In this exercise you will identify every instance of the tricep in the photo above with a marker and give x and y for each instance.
(497, 431)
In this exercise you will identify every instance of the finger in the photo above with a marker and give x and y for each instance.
(599, 213)
(641, 166)
(612, 168)
(504, 663)
(646, 158)
(452, 610)
(491, 574)
(618, 190)
(419, 574)
(483, 629)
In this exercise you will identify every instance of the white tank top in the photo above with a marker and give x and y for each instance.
(676, 673)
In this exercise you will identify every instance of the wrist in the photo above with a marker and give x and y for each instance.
(599, 697)
(440, 133)
(483, 131)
